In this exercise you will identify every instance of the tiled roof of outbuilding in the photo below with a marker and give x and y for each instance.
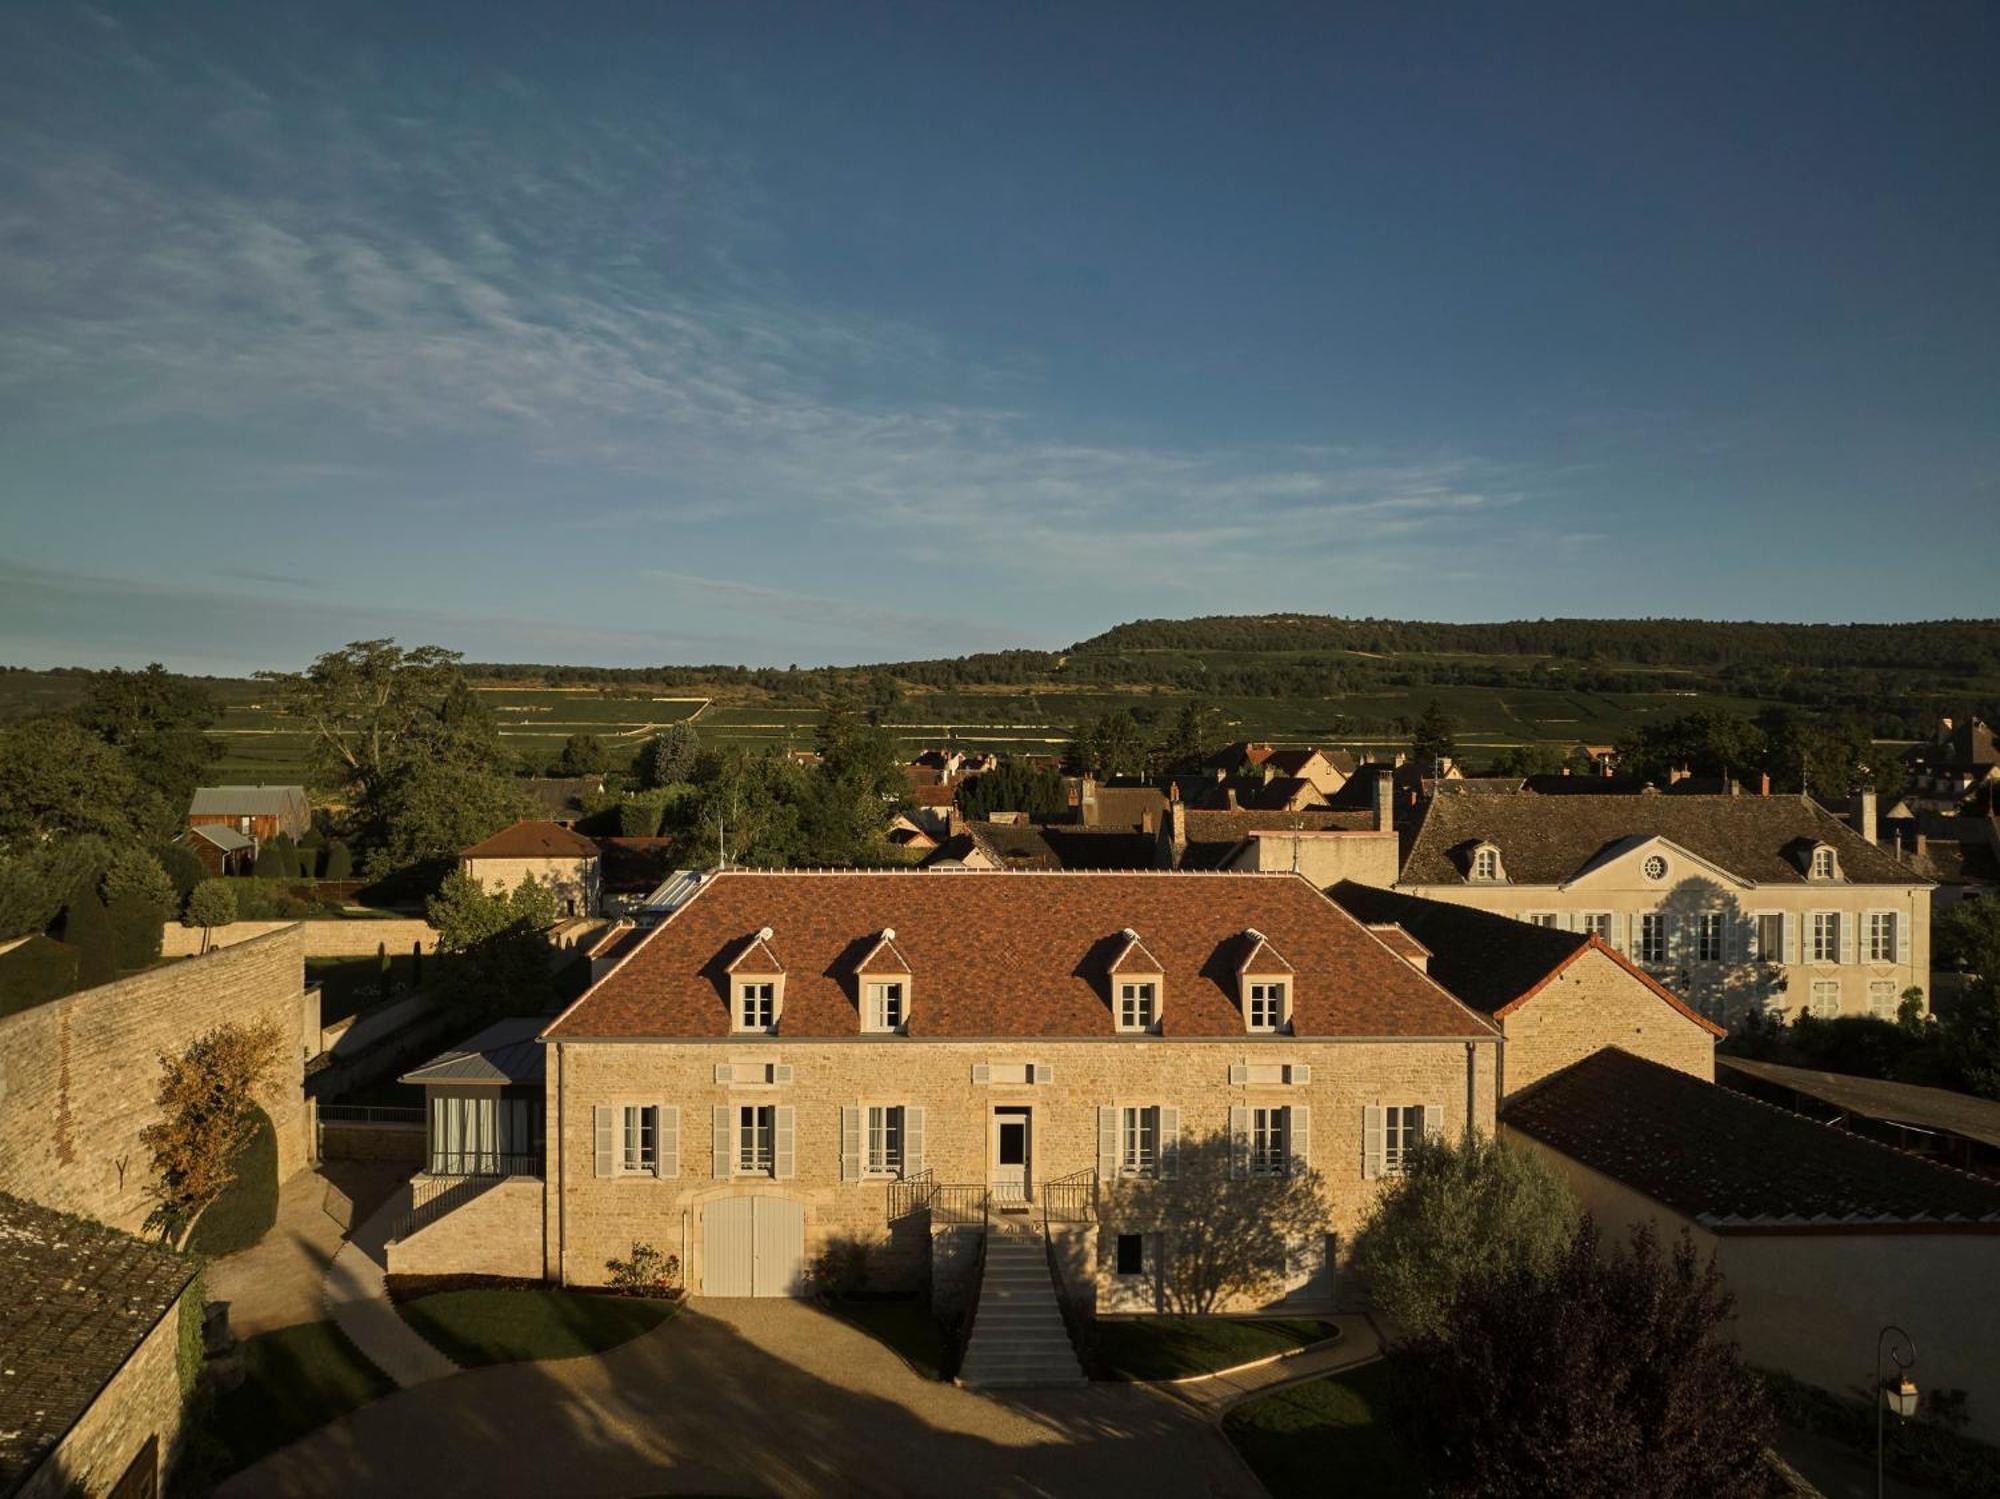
(1732, 1163)
(1014, 954)
(80, 1299)
(1548, 840)
(532, 840)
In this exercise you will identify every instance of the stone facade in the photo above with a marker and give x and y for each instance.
(498, 1232)
(593, 1218)
(78, 1075)
(141, 1403)
(360, 938)
(577, 883)
(1326, 857)
(1592, 1003)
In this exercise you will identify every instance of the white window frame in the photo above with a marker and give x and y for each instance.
(1879, 990)
(1649, 938)
(1486, 865)
(1883, 937)
(1402, 1127)
(882, 994)
(754, 998)
(1138, 1004)
(1594, 924)
(1825, 865)
(1270, 1140)
(1823, 937)
(638, 1146)
(1139, 1142)
(1817, 998)
(1775, 953)
(1268, 1004)
(756, 1152)
(1550, 919)
(1707, 925)
(884, 1141)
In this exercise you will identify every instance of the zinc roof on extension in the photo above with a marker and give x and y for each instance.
(1548, 840)
(1014, 954)
(80, 1300)
(1734, 1164)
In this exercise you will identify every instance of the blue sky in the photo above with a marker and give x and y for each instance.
(770, 333)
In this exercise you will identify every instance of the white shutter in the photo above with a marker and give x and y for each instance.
(1895, 920)
(850, 1143)
(723, 1142)
(1372, 1141)
(1738, 931)
(603, 1135)
(1790, 922)
(1239, 1141)
(1618, 931)
(783, 1162)
(1433, 1121)
(981, 1073)
(724, 1073)
(781, 1072)
(667, 1141)
(1239, 1074)
(1845, 921)
(1170, 1142)
(913, 1141)
(1107, 1141)
(1041, 1073)
(1298, 1074)
(1299, 1136)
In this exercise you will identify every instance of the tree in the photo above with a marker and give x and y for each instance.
(745, 809)
(1225, 1231)
(138, 899)
(365, 703)
(87, 927)
(212, 904)
(36, 883)
(1822, 758)
(1433, 737)
(182, 867)
(1196, 733)
(1709, 742)
(1603, 1376)
(1013, 787)
(208, 1110)
(432, 805)
(582, 755)
(669, 759)
(158, 720)
(1462, 1212)
(273, 862)
(56, 780)
(339, 862)
(1967, 937)
(497, 953)
(1110, 746)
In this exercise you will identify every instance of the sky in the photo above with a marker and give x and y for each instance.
(754, 332)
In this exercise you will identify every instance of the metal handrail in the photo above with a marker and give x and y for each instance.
(911, 1195)
(425, 1213)
(485, 1163)
(368, 1113)
(1070, 1199)
(960, 1203)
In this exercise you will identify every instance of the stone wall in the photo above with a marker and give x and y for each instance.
(1592, 1004)
(142, 1401)
(359, 938)
(599, 1217)
(401, 1143)
(499, 1232)
(79, 1075)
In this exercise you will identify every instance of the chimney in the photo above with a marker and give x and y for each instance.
(1385, 801)
(1565, 770)
(1147, 825)
(1864, 812)
(1175, 834)
(1763, 783)
(1923, 847)
(1230, 796)
(1604, 768)
(1676, 774)
(1086, 802)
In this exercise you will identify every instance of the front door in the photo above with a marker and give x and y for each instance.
(1012, 1156)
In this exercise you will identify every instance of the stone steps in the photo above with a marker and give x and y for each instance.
(1018, 1337)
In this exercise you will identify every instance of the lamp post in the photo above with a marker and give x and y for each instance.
(1900, 1397)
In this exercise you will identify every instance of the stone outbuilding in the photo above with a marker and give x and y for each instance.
(567, 862)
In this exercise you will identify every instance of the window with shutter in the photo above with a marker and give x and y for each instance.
(1239, 1142)
(885, 1140)
(1373, 1141)
(1107, 1141)
(913, 1140)
(784, 1161)
(850, 1143)
(601, 1130)
(667, 1163)
(723, 1152)
(1298, 1138)
(1170, 1142)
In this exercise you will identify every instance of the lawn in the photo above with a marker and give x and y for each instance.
(1175, 1347)
(906, 1326)
(295, 1380)
(505, 1327)
(1296, 1439)
(248, 1206)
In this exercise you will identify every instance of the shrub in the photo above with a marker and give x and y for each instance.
(135, 930)
(212, 904)
(86, 926)
(840, 1270)
(649, 1272)
(339, 862)
(183, 867)
(36, 971)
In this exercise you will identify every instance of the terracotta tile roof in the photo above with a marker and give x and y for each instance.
(1290, 762)
(884, 957)
(1548, 840)
(1403, 944)
(754, 955)
(1262, 956)
(1021, 845)
(1127, 807)
(80, 1300)
(1732, 1163)
(1133, 957)
(1213, 836)
(1011, 954)
(933, 796)
(532, 840)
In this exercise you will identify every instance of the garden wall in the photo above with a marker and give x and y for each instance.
(78, 1075)
(359, 938)
(499, 1232)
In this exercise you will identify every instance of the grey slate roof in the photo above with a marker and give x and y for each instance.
(1548, 840)
(1730, 1162)
(225, 838)
(1486, 960)
(80, 1299)
(246, 801)
(1877, 1098)
(505, 1052)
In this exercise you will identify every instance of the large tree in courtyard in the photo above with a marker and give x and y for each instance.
(208, 1109)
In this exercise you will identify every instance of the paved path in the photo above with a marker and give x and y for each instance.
(357, 1297)
(751, 1397)
(280, 1281)
(1358, 1343)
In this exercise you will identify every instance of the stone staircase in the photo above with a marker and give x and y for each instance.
(1018, 1337)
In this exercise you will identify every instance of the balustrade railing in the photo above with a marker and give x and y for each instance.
(1070, 1199)
(960, 1203)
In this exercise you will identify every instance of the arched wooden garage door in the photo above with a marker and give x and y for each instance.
(753, 1246)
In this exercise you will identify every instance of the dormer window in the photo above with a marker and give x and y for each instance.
(883, 975)
(1824, 866)
(1486, 864)
(1265, 984)
(757, 986)
(1135, 985)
